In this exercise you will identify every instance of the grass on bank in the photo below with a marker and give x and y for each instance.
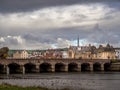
(12, 87)
(6, 86)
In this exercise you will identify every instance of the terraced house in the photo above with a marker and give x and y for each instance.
(91, 52)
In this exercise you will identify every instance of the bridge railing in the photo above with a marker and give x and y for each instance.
(38, 60)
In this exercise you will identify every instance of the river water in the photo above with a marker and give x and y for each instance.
(73, 81)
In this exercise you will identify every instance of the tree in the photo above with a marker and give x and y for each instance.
(4, 52)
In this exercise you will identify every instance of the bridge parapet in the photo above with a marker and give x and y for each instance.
(35, 61)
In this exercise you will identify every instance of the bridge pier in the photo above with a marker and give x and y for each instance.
(102, 67)
(23, 70)
(7, 70)
(91, 67)
(79, 67)
(37, 68)
(53, 68)
(4, 69)
(66, 68)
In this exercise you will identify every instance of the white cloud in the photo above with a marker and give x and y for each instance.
(17, 42)
(2, 39)
(12, 41)
(54, 17)
(61, 43)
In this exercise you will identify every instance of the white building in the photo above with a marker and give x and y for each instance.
(117, 50)
(65, 54)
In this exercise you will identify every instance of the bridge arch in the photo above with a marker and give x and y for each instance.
(60, 67)
(1, 68)
(30, 68)
(85, 67)
(45, 67)
(72, 67)
(14, 68)
(107, 67)
(97, 66)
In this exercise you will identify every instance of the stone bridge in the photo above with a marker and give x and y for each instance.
(13, 66)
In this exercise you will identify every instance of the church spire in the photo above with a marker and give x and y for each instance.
(78, 41)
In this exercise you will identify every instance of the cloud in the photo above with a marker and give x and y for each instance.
(59, 26)
(19, 42)
(12, 41)
(61, 43)
(56, 17)
(102, 36)
(29, 5)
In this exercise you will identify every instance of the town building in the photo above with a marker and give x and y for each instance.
(107, 52)
(91, 52)
(73, 52)
(117, 50)
(21, 54)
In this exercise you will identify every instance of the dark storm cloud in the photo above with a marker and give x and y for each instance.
(28, 5)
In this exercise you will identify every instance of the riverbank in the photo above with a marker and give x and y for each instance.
(6, 86)
(71, 81)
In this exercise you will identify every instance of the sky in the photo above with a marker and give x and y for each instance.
(45, 24)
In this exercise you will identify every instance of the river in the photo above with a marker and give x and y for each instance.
(73, 81)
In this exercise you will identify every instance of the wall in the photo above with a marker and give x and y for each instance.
(115, 66)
